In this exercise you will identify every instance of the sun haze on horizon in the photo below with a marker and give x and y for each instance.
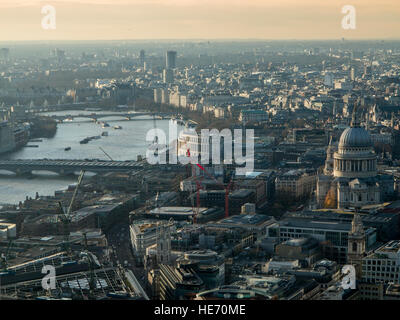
(198, 19)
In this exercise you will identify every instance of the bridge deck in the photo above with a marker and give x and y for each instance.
(60, 165)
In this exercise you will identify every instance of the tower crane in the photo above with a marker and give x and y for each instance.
(4, 258)
(108, 156)
(92, 278)
(227, 189)
(198, 187)
(196, 211)
(155, 141)
(66, 215)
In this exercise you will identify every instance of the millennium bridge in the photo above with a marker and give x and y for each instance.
(67, 167)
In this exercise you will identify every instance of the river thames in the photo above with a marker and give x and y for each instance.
(121, 144)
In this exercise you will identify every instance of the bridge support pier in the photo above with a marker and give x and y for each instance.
(66, 173)
(23, 172)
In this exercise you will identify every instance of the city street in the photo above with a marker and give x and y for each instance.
(119, 240)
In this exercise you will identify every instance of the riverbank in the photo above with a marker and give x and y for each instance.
(202, 120)
(121, 145)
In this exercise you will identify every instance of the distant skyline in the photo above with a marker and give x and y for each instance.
(199, 19)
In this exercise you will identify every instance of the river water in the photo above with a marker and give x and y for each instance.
(124, 144)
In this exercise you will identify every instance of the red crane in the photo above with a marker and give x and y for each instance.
(227, 188)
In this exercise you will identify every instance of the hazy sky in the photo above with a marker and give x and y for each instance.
(198, 19)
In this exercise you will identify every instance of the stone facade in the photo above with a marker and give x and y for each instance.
(350, 178)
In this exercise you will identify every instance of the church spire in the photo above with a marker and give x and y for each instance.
(356, 245)
(328, 169)
(330, 140)
(355, 122)
(357, 227)
(330, 148)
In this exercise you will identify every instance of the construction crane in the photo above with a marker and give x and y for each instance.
(4, 258)
(81, 175)
(92, 278)
(108, 156)
(66, 216)
(227, 189)
(155, 141)
(197, 210)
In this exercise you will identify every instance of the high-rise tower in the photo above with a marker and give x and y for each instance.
(170, 60)
(142, 57)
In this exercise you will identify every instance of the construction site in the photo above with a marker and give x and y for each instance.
(76, 262)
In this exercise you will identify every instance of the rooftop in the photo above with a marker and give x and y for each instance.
(390, 247)
(249, 219)
(184, 211)
(315, 224)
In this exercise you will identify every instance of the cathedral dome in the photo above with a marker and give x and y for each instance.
(355, 137)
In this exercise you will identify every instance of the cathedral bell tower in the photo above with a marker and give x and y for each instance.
(356, 245)
(329, 162)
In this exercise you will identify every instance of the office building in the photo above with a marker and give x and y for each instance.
(383, 265)
(142, 57)
(178, 283)
(168, 76)
(170, 60)
(332, 235)
(296, 183)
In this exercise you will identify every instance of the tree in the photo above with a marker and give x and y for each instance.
(330, 199)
